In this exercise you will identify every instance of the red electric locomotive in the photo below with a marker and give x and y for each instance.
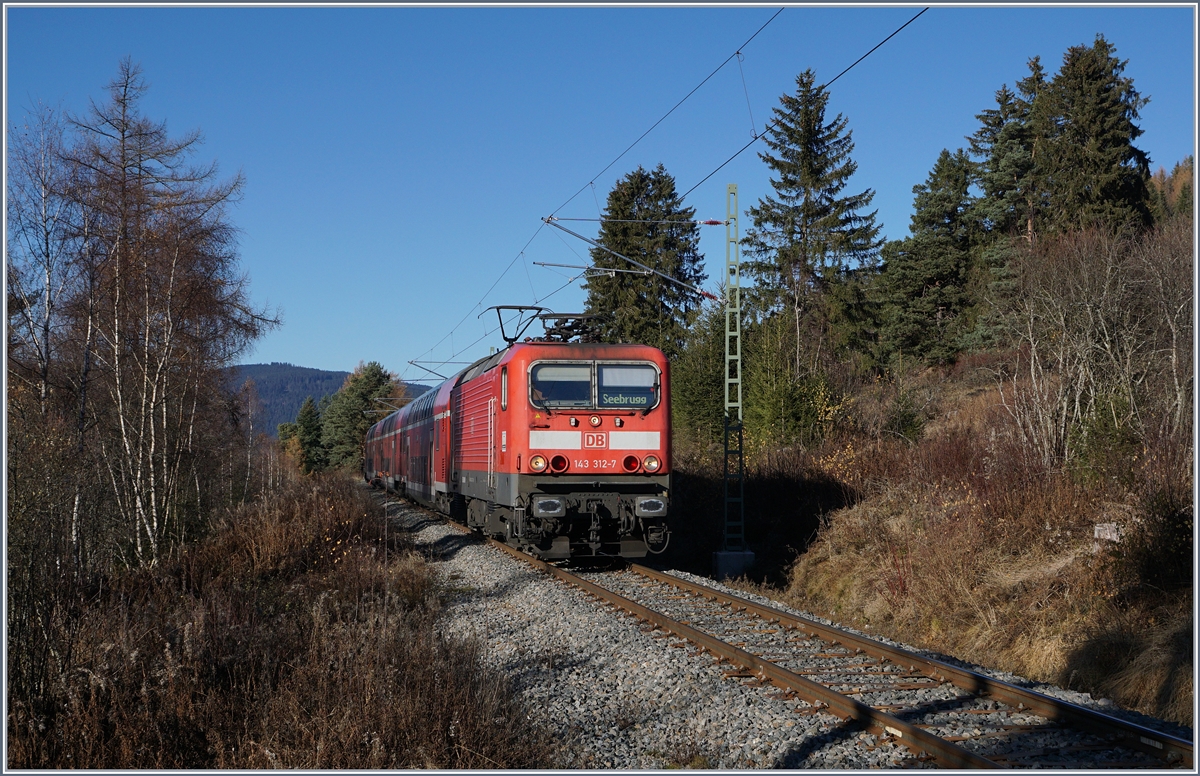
(561, 449)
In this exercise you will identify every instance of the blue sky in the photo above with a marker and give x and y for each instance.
(398, 160)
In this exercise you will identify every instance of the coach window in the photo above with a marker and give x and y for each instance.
(560, 385)
(503, 387)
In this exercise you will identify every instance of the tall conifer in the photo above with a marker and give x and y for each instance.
(1002, 144)
(308, 432)
(924, 276)
(345, 421)
(637, 223)
(810, 233)
(1098, 175)
(1058, 154)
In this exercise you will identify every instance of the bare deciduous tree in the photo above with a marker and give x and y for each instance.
(169, 308)
(41, 243)
(1103, 324)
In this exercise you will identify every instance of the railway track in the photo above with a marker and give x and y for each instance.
(944, 715)
(941, 714)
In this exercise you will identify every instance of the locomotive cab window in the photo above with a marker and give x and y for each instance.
(561, 385)
(627, 386)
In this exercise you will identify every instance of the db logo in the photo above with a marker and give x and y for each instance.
(595, 439)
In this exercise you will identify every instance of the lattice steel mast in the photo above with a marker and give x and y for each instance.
(734, 539)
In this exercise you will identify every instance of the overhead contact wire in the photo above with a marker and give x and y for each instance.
(668, 113)
(485, 294)
(775, 123)
(592, 182)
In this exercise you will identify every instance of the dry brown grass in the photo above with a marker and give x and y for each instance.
(296, 637)
(962, 545)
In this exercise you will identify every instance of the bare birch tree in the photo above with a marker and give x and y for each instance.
(169, 308)
(41, 244)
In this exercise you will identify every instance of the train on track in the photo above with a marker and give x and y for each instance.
(560, 449)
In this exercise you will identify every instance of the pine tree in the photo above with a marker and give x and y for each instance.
(345, 421)
(809, 234)
(645, 308)
(925, 275)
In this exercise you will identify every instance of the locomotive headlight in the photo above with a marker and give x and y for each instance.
(594, 420)
(651, 463)
(537, 463)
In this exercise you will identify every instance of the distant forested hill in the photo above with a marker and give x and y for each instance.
(282, 388)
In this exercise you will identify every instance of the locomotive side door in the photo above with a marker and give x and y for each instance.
(491, 445)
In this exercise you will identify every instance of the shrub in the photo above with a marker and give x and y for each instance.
(302, 634)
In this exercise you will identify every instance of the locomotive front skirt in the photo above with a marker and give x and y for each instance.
(559, 449)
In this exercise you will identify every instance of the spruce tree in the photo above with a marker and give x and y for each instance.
(808, 235)
(1059, 154)
(645, 308)
(1097, 174)
(1036, 134)
(308, 433)
(924, 276)
(1003, 147)
(1012, 148)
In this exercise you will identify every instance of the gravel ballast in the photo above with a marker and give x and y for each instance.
(615, 695)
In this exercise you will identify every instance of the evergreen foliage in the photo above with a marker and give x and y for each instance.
(811, 252)
(810, 240)
(282, 387)
(308, 434)
(923, 285)
(990, 289)
(646, 308)
(1059, 154)
(353, 410)
(1003, 145)
(1098, 176)
(809, 233)
(697, 387)
(1054, 156)
(781, 409)
(1096, 173)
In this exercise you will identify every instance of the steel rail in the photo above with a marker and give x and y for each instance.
(1169, 748)
(920, 741)
(1173, 750)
